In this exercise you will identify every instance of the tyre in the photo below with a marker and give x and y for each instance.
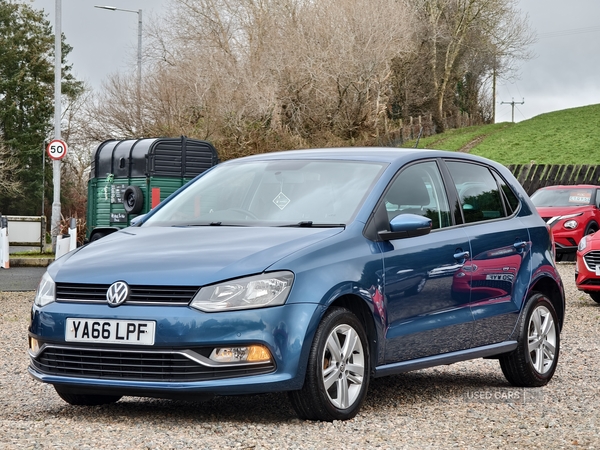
(595, 296)
(591, 228)
(86, 399)
(133, 200)
(534, 361)
(97, 235)
(338, 370)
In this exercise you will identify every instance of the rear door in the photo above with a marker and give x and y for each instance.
(500, 247)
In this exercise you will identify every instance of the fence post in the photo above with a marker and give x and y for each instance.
(73, 234)
(66, 242)
(42, 233)
(4, 248)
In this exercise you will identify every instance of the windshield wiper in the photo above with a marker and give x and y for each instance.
(310, 224)
(210, 224)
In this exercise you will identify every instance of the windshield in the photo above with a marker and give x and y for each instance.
(562, 197)
(273, 193)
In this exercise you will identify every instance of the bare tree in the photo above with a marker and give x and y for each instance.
(250, 74)
(336, 67)
(75, 166)
(9, 169)
(259, 75)
(449, 31)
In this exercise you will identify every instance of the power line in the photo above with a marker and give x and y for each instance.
(570, 32)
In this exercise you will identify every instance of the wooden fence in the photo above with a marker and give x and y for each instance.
(423, 126)
(535, 176)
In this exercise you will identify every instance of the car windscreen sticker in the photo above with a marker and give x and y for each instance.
(580, 197)
(281, 200)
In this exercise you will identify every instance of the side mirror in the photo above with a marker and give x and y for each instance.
(406, 226)
(136, 220)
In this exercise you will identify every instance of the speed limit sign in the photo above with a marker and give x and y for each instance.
(56, 149)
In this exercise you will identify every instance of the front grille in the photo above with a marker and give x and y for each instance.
(591, 282)
(592, 259)
(140, 295)
(109, 364)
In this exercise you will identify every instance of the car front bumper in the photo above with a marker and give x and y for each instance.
(586, 279)
(177, 364)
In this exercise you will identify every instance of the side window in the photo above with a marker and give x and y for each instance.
(478, 191)
(510, 199)
(418, 189)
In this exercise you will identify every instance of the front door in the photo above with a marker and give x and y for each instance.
(424, 315)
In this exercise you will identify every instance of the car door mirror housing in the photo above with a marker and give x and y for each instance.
(137, 220)
(405, 226)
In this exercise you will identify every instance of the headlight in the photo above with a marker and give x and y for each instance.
(46, 291)
(582, 244)
(269, 289)
(570, 224)
(555, 219)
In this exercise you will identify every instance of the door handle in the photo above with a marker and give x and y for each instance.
(520, 246)
(461, 256)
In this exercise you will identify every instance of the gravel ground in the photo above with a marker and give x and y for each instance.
(465, 405)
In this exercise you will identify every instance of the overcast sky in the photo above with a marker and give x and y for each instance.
(564, 74)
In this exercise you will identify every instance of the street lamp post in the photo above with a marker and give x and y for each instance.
(139, 51)
(56, 207)
(139, 58)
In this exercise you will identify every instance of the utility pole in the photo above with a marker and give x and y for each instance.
(494, 93)
(513, 103)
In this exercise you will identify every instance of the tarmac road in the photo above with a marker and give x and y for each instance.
(20, 278)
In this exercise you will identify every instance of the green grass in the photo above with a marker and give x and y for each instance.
(570, 136)
(32, 254)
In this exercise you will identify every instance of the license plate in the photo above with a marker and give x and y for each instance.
(500, 277)
(107, 331)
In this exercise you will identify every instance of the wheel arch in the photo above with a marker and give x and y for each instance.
(551, 289)
(591, 224)
(357, 306)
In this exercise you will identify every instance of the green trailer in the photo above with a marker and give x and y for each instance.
(130, 177)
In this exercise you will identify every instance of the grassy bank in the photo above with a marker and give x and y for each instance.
(570, 136)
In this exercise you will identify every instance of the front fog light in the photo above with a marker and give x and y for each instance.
(34, 346)
(251, 354)
(570, 224)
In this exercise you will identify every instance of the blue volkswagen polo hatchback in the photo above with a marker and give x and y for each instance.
(307, 271)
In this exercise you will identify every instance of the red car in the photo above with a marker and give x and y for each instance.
(587, 268)
(571, 212)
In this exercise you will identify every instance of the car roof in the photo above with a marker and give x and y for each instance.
(373, 154)
(571, 186)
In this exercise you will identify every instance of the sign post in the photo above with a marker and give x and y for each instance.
(60, 149)
(56, 149)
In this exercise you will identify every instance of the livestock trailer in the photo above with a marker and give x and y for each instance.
(130, 177)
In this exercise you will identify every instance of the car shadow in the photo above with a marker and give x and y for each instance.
(404, 390)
